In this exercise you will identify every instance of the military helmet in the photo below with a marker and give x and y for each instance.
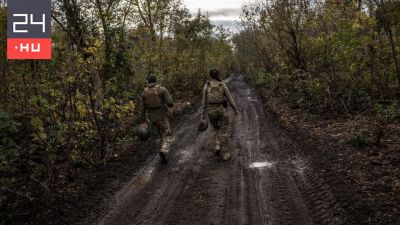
(143, 132)
(203, 124)
(152, 78)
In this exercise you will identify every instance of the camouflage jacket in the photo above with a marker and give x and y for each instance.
(159, 113)
(226, 93)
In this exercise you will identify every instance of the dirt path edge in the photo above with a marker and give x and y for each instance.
(335, 161)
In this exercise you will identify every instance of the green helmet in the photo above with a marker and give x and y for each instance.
(143, 132)
(151, 79)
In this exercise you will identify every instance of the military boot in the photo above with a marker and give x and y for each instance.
(226, 156)
(217, 150)
(163, 157)
(164, 150)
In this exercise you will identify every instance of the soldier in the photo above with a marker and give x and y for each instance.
(155, 103)
(215, 98)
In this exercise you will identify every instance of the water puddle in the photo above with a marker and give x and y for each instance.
(260, 165)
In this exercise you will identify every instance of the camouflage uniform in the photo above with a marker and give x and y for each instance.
(158, 117)
(219, 118)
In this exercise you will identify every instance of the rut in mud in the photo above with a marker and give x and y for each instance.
(266, 182)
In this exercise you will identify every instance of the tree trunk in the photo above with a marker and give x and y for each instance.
(106, 70)
(394, 52)
(97, 123)
(297, 55)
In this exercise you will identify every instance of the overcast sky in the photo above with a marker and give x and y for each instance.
(221, 12)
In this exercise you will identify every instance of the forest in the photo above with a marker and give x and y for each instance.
(329, 58)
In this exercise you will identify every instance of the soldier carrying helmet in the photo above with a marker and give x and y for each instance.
(216, 97)
(155, 102)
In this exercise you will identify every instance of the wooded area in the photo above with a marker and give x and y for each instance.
(59, 116)
(335, 58)
(325, 56)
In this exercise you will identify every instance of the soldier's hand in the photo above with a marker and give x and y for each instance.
(171, 111)
(236, 111)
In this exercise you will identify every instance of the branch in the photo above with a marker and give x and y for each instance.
(58, 22)
(28, 198)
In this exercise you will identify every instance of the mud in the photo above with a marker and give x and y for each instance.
(267, 181)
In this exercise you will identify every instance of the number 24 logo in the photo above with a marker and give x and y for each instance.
(26, 22)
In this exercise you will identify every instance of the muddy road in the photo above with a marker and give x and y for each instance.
(267, 181)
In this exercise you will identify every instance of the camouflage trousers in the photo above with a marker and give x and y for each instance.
(161, 129)
(219, 119)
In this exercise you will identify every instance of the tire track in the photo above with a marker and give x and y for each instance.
(267, 181)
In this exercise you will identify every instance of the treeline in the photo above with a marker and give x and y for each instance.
(332, 57)
(66, 115)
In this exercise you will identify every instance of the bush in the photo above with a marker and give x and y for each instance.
(362, 139)
(387, 114)
(263, 77)
(9, 149)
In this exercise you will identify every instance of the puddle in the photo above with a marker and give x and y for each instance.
(260, 165)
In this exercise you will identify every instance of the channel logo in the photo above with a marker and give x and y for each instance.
(29, 29)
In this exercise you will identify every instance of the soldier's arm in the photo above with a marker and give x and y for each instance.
(142, 108)
(204, 98)
(167, 98)
(229, 97)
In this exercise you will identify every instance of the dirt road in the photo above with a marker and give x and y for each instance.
(267, 181)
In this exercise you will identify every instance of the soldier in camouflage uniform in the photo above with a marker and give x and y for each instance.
(215, 97)
(155, 103)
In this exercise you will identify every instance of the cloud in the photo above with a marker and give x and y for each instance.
(220, 12)
(226, 12)
(209, 5)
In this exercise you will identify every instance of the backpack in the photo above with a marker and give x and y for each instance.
(215, 93)
(151, 98)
